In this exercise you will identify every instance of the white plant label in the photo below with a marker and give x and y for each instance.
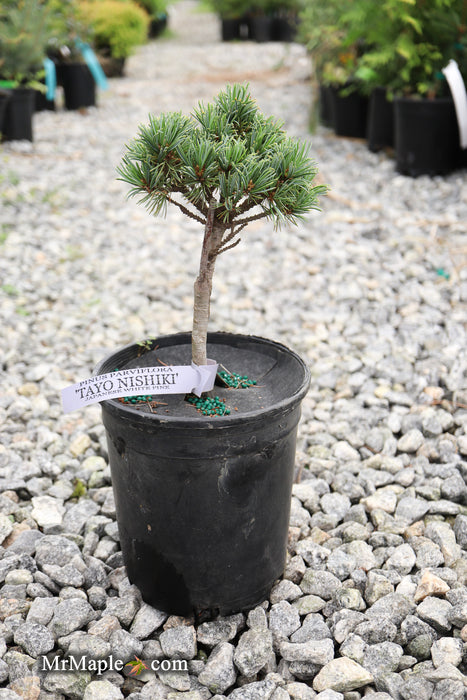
(140, 381)
(459, 95)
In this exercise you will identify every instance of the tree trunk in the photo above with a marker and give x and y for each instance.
(203, 286)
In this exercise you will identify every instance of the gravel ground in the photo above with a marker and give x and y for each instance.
(372, 291)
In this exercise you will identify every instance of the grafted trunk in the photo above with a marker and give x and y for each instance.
(203, 286)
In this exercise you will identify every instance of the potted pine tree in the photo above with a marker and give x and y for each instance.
(426, 133)
(260, 21)
(285, 13)
(329, 33)
(77, 68)
(158, 16)
(407, 46)
(234, 18)
(23, 36)
(202, 484)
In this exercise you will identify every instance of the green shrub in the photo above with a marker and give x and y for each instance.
(65, 27)
(399, 44)
(408, 44)
(239, 8)
(325, 30)
(229, 9)
(154, 8)
(118, 26)
(24, 30)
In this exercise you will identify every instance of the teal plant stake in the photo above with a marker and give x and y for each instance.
(93, 64)
(50, 78)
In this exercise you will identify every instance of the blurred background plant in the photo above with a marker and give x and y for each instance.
(329, 40)
(279, 18)
(401, 45)
(230, 9)
(24, 32)
(67, 27)
(117, 26)
(408, 44)
(158, 15)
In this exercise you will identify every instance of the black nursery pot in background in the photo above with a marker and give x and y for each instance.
(203, 503)
(4, 97)
(325, 105)
(157, 25)
(235, 28)
(230, 29)
(261, 28)
(426, 136)
(41, 103)
(349, 113)
(79, 86)
(380, 127)
(284, 28)
(19, 112)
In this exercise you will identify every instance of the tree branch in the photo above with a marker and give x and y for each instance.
(243, 222)
(186, 211)
(236, 230)
(229, 237)
(202, 208)
(247, 205)
(229, 247)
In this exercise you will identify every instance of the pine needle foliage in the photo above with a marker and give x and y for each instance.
(225, 166)
(228, 151)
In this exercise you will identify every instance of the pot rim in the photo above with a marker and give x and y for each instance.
(419, 99)
(128, 412)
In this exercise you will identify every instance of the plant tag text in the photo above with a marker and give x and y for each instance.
(136, 381)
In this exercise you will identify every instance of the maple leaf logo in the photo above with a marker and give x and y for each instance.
(137, 666)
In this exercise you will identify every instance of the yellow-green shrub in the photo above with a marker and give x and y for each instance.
(118, 26)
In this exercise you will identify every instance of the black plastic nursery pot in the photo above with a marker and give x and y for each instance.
(203, 503)
(235, 28)
(426, 136)
(112, 67)
(261, 28)
(349, 113)
(230, 28)
(325, 105)
(380, 127)
(41, 103)
(157, 25)
(284, 28)
(78, 84)
(4, 97)
(19, 112)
